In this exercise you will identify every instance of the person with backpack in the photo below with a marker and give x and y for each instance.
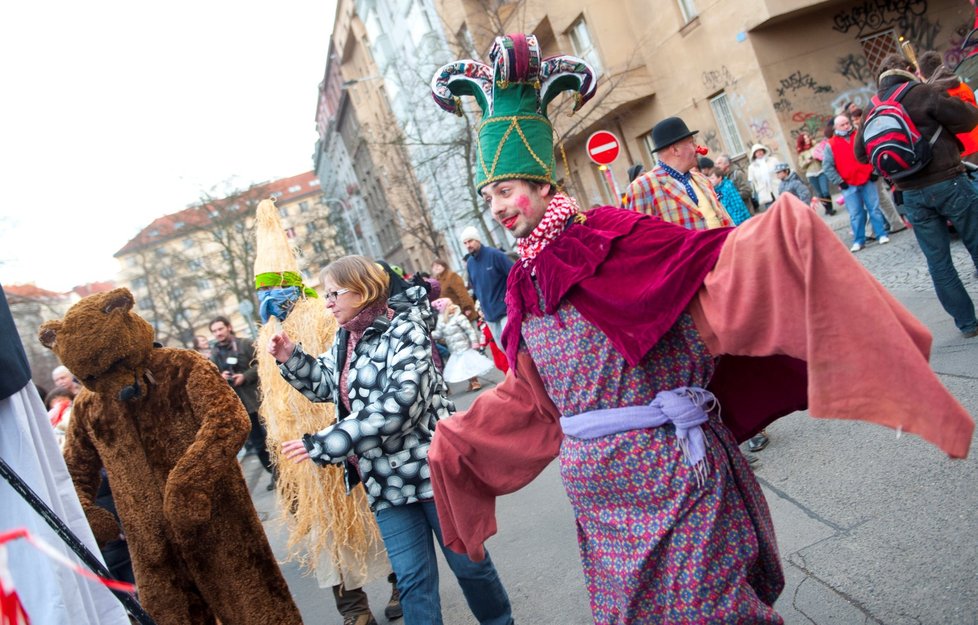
(934, 186)
(858, 183)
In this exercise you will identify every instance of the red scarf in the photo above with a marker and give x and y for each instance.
(560, 209)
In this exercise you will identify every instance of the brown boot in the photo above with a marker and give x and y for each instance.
(393, 609)
(360, 619)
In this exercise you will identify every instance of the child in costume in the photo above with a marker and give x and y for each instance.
(456, 330)
(331, 532)
(620, 324)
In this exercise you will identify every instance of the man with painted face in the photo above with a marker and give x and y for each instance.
(235, 359)
(616, 327)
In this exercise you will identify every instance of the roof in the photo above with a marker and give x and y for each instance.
(31, 291)
(91, 288)
(283, 191)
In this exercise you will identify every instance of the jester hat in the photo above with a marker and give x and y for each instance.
(515, 136)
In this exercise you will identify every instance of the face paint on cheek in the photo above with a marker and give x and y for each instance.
(523, 203)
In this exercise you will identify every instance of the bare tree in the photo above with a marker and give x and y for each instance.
(166, 296)
(29, 313)
(226, 254)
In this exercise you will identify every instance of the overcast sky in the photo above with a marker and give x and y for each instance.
(115, 113)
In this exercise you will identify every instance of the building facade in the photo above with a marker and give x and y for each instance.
(739, 71)
(186, 268)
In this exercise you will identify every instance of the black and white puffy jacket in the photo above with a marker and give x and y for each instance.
(396, 397)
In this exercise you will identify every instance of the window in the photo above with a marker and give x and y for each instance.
(583, 44)
(295, 188)
(290, 233)
(195, 264)
(178, 225)
(318, 247)
(145, 303)
(417, 23)
(283, 211)
(303, 207)
(311, 227)
(728, 127)
(176, 292)
(877, 46)
(210, 306)
(688, 9)
(188, 243)
(167, 272)
(650, 146)
(203, 284)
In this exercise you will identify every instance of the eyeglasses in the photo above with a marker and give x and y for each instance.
(332, 295)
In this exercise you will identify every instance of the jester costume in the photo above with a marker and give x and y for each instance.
(642, 352)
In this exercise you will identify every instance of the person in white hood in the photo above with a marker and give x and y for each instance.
(761, 175)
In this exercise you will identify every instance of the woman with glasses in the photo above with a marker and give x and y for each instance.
(388, 395)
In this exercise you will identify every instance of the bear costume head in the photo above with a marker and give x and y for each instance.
(103, 343)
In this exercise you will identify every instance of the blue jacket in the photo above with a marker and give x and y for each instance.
(731, 200)
(488, 269)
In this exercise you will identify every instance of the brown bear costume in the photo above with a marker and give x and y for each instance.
(166, 427)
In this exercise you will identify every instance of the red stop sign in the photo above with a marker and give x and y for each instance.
(603, 147)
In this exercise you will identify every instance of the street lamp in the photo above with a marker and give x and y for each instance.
(349, 224)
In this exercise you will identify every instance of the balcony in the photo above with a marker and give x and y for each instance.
(771, 12)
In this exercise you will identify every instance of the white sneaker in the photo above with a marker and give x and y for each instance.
(884, 240)
(856, 247)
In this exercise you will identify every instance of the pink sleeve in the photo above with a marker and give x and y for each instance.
(785, 285)
(499, 445)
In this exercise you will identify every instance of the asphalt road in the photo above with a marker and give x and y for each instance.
(873, 528)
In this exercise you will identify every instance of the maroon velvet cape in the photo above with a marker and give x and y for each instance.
(632, 275)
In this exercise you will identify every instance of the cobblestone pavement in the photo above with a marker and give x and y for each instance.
(900, 265)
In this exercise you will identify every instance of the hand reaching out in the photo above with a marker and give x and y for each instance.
(281, 346)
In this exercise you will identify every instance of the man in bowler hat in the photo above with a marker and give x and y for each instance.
(671, 190)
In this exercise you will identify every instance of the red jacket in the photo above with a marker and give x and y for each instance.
(969, 140)
(851, 170)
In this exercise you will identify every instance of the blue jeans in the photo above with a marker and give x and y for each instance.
(821, 185)
(859, 201)
(928, 210)
(407, 533)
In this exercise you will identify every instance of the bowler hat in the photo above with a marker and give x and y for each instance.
(670, 130)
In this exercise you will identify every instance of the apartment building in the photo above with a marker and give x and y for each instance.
(188, 267)
(739, 71)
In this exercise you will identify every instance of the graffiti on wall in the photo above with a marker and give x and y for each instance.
(718, 78)
(783, 105)
(872, 15)
(797, 82)
(854, 67)
(812, 123)
(761, 129)
(860, 96)
(954, 54)
(920, 31)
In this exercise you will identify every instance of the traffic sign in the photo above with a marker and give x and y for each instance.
(603, 147)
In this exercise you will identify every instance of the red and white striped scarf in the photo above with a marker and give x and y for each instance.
(560, 209)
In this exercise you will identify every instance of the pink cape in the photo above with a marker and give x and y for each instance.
(783, 286)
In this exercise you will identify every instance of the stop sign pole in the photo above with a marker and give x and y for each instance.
(603, 148)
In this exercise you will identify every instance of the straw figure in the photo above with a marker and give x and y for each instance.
(330, 532)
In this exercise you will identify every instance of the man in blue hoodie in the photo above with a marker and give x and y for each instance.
(488, 269)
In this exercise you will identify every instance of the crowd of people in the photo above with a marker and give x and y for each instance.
(621, 333)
